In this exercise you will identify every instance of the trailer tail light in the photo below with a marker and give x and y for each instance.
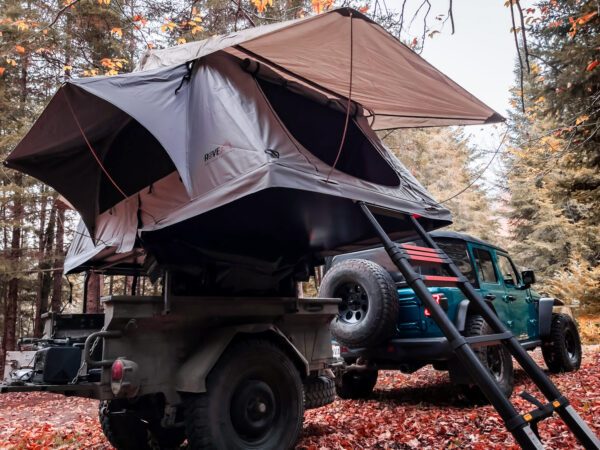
(124, 378)
(441, 300)
(116, 373)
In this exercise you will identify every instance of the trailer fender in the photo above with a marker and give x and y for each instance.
(191, 377)
(545, 306)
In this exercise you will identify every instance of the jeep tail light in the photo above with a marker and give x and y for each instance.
(441, 300)
(116, 373)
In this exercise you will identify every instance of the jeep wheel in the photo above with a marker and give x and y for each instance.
(369, 308)
(495, 358)
(318, 391)
(356, 384)
(562, 352)
(254, 399)
(126, 431)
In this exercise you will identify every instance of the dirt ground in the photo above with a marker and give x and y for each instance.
(422, 410)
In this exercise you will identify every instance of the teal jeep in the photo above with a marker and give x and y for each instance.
(382, 324)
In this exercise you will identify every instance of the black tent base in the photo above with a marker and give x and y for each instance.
(523, 427)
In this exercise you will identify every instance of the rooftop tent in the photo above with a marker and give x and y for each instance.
(209, 162)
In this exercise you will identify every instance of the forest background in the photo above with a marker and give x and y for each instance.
(542, 201)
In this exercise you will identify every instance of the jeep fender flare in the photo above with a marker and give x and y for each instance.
(463, 310)
(191, 376)
(545, 307)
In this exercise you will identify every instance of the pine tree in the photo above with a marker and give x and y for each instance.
(440, 158)
(553, 170)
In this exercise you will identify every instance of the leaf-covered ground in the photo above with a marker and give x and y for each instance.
(421, 410)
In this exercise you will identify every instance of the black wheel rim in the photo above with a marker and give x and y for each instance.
(495, 362)
(355, 302)
(254, 409)
(570, 345)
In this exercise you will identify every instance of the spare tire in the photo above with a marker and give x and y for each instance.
(369, 309)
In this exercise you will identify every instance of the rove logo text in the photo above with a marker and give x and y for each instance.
(217, 152)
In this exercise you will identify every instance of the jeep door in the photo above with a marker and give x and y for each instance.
(490, 285)
(519, 301)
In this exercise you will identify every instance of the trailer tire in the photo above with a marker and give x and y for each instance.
(369, 309)
(128, 432)
(254, 399)
(495, 358)
(562, 352)
(356, 384)
(318, 391)
(124, 432)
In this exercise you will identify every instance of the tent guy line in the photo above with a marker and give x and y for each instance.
(348, 103)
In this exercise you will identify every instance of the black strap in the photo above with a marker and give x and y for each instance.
(190, 66)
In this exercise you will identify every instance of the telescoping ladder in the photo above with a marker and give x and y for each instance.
(523, 427)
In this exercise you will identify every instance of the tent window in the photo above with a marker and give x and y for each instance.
(133, 150)
(319, 129)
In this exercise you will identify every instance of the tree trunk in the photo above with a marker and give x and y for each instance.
(94, 293)
(12, 300)
(45, 264)
(58, 261)
(41, 240)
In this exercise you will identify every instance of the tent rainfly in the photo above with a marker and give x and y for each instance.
(229, 151)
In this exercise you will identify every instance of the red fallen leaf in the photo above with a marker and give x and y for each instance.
(364, 9)
(593, 64)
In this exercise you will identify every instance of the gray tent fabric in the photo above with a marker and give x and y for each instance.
(153, 150)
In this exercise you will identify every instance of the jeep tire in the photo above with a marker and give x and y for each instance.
(126, 431)
(356, 384)
(318, 391)
(562, 351)
(369, 308)
(495, 358)
(254, 399)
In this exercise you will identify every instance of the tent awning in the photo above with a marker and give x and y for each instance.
(398, 87)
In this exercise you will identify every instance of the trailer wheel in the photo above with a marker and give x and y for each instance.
(356, 384)
(254, 399)
(318, 391)
(495, 358)
(126, 431)
(369, 308)
(562, 352)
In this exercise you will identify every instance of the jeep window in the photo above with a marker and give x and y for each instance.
(455, 249)
(484, 261)
(458, 252)
(508, 271)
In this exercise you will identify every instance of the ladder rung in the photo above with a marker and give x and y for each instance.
(487, 339)
(439, 281)
(426, 259)
(420, 249)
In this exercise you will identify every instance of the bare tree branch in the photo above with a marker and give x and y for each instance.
(451, 15)
(524, 34)
(238, 3)
(514, 29)
(425, 25)
(402, 17)
(61, 11)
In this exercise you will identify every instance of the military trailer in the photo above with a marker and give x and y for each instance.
(226, 170)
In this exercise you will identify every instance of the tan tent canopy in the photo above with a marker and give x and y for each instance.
(394, 84)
